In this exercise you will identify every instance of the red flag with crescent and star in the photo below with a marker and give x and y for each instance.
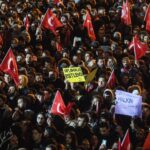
(139, 47)
(9, 66)
(58, 106)
(50, 21)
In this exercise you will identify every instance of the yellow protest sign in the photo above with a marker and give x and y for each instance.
(74, 74)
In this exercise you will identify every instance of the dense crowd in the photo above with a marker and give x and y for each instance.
(25, 119)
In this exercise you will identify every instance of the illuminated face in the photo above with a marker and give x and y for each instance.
(40, 119)
(101, 82)
(100, 63)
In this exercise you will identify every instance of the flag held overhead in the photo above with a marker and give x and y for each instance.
(9, 66)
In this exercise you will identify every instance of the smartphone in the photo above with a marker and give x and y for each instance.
(104, 142)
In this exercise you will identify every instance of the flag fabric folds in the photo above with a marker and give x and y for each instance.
(125, 13)
(146, 145)
(50, 21)
(125, 145)
(147, 18)
(26, 22)
(139, 47)
(9, 66)
(58, 106)
(88, 25)
(112, 80)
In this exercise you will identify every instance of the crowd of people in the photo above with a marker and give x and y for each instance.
(26, 122)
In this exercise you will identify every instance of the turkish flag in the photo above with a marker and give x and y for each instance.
(51, 22)
(125, 145)
(9, 66)
(26, 22)
(58, 106)
(88, 25)
(147, 19)
(112, 80)
(139, 47)
(125, 13)
(147, 142)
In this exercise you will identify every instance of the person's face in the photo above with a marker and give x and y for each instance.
(101, 82)
(68, 139)
(36, 136)
(40, 119)
(80, 122)
(4, 7)
(20, 103)
(11, 90)
(7, 78)
(21, 80)
(110, 63)
(100, 63)
(75, 59)
(145, 39)
(28, 58)
(125, 63)
(146, 111)
(104, 131)
(39, 78)
(46, 95)
(87, 57)
(19, 58)
(86, 144)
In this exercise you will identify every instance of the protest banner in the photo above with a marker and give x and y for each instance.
(128, 104)
(73, 74)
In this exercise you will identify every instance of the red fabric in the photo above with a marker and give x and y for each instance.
(58, 106)
(57, 1)
(125, 13)
(51, 22)
(9, 66)
(147, 19)
(88, 24)
(27, 23)
(59, 47)
(112, 80)
(147, 142)
(1, 40)
(125, 145)
(138, 47)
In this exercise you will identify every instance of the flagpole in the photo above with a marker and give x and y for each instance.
(134, 49)
(146, 12)
(124, 137)
(5, 55)
(109, 77)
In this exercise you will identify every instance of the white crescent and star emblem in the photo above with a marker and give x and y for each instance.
(50, 21)
(58, 109)
(10, 65)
